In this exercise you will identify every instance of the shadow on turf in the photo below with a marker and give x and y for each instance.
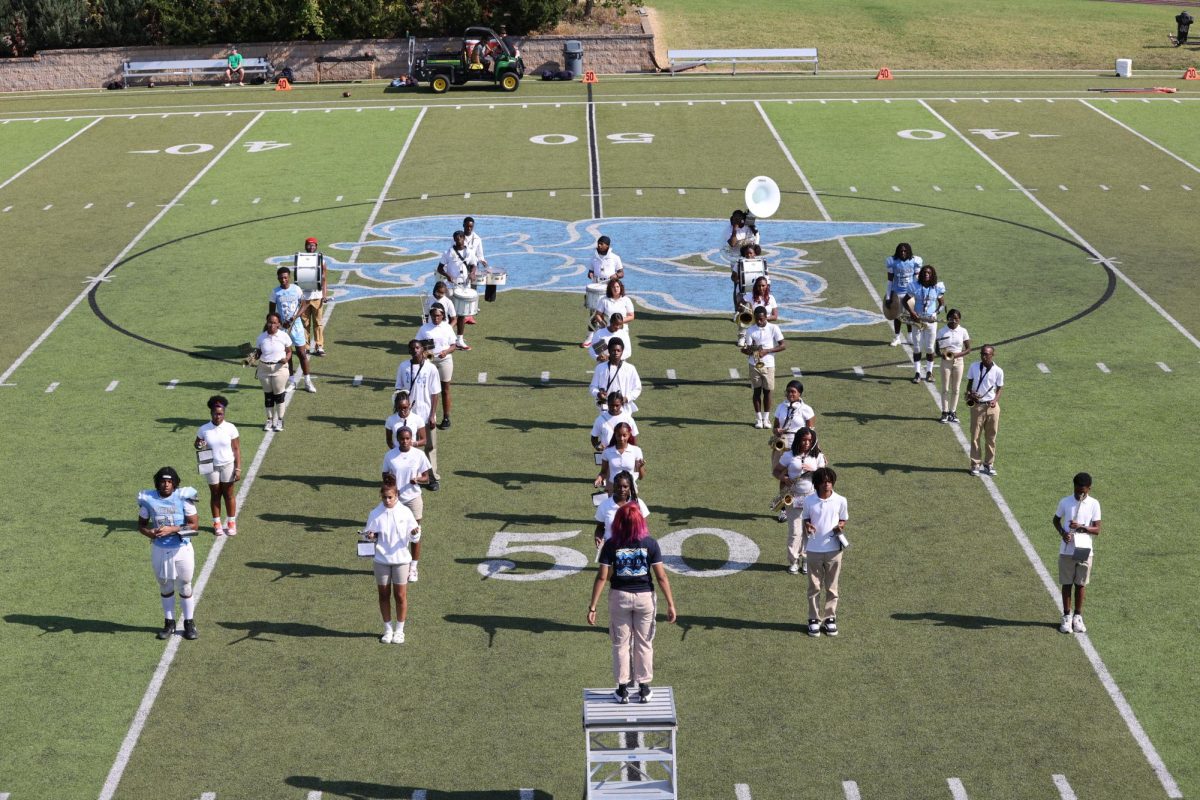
(687, 622)
(674, 342)
(257, 630)
(492, 624)
(53, 624)
(112, 525)
(358, 790)
(313, 524)
(391, 346)
(679, 515)
(303, 570)
(346, 423)
(516, 480)
(884, 467)
(526, 519)
(317, 481)
(394, 321)
(865, 419)
(686, 422)
(536, 382)
(527, 425)
(971, 623)
(532, 345)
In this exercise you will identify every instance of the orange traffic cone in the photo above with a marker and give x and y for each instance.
(590, 77)
(282, 85)
(884, 74)
(1190, 74)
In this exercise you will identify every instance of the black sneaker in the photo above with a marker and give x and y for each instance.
(645, 693)
(621, 694)
(444, 424)
(945, 418)
(953, 417)
(929, 377)
(814, 627)
(829, 627)
(189, 629)
(434, 485)
(168, 629)
(916, 378)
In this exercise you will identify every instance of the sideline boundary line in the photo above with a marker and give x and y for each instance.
(52, 151)
(1093, 656)
(164, 664)
(98, 279)
(1162, 312)
(1143, 137)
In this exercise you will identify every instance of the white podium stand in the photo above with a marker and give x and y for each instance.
(630, 748)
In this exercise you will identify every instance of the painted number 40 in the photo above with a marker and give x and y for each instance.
(505, 547)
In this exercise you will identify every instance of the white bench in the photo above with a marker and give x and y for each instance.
(690, 58)
(190, 68)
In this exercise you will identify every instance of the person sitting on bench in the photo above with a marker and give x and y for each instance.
(235, 67)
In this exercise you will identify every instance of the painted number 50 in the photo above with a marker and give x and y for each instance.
(504, 545)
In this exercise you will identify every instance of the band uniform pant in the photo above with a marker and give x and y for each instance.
(952, 372)
(273, 376)
(431, 433)
(985, 423)
(631, 626)
(312, 323)
(824, 569)
(797, 541)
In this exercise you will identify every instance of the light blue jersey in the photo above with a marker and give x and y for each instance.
(904, 274)
(162, 511)
(287, 306)
(925, 298)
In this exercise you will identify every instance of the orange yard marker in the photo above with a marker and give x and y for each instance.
(590, 77)
(884, 74)
(1190, 74)
(283, 85)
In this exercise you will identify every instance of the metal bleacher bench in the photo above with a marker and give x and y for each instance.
(685, 59)
(190, 68)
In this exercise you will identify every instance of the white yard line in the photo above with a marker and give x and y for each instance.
(482, 377)
(1062, 224)
(1098, 665)
(125, 251)
(1100, 365)
(545, 376)
(742, 791)
(1144, 138)
(1065, 792)
(112, 386)
(733, 373)
(51, 152)
(957, 790)
(1162, 365)
(52, 387)
(850, 790)
(1043, 368)
(210, 563)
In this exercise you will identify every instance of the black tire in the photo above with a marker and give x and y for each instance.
(509, 81)
(439, 84)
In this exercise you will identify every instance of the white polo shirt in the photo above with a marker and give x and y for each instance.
(219, 439)
(766, 337)
(406, 467)
(422, 383)
(395, 529)
(1083, 512)
(824, 515)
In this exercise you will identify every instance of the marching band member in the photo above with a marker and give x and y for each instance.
(824, 519)
(790, 416)
(953, 344)
(620, 456)
(624, 491)
(763, 340)
(439, 332)
(475, 257)
(287, 299)
(928, 297)
(167, 517)
(421, 381)
(408, 468)
(600, 339)
(397, 537)
(605, 264)
(311, 317)
(760, 295)
(221, 437)
(602, 428)
(403, 417)
(740, 233)
(615, 301)
(455, 268)
(795, 471)
(616, 375)
(902, 269)
(273, 351)
(440, 296)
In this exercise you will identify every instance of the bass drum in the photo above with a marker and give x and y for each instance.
(466, 301)
(309, 278)
(596, 292)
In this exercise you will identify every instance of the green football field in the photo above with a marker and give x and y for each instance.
(141, 231)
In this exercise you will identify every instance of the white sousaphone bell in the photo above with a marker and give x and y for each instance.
(762, 197)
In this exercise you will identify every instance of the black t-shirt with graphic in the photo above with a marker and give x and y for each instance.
(631, 565)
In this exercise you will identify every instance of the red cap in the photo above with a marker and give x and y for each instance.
(311, 240)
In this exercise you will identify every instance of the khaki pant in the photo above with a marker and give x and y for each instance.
(631, 626)
(824, 569)
(431, 451)
(273, 377)
(797, 542)
(312, 323)
(985, 423)
(952, 372)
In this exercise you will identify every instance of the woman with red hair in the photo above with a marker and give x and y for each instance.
(627, 561)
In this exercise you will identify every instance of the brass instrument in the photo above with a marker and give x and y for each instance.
(911, 316)
(759, 365)
(777, 442)
(786, 497)
(249, 354)
(743, 317)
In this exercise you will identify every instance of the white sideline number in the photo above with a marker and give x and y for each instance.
(631, 138)
(188, 149)
(921, 134)
(742, 552)
(554, 138)
(566, 561)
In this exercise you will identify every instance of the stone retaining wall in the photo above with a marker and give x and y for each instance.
(93, 68)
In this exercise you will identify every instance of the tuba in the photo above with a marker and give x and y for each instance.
(762, 197)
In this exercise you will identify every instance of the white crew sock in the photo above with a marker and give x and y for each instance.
(398, 626)
(168, 604)
(189, 606)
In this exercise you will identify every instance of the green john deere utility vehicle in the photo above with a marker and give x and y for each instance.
(484, 56)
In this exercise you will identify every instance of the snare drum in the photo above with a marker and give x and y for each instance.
(596, 293)
(466, 301)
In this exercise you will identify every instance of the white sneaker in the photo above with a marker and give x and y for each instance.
(291, 385)
(412, 573)
(1066, 624)
(218, 530)
(308, 385)
(398, 637)
(279, 424)
(1077, 624)
(794, 568)
(388, 636)
(269, 425)
(896, 340)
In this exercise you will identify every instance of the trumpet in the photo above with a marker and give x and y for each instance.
(759, 365)
(743, 317)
